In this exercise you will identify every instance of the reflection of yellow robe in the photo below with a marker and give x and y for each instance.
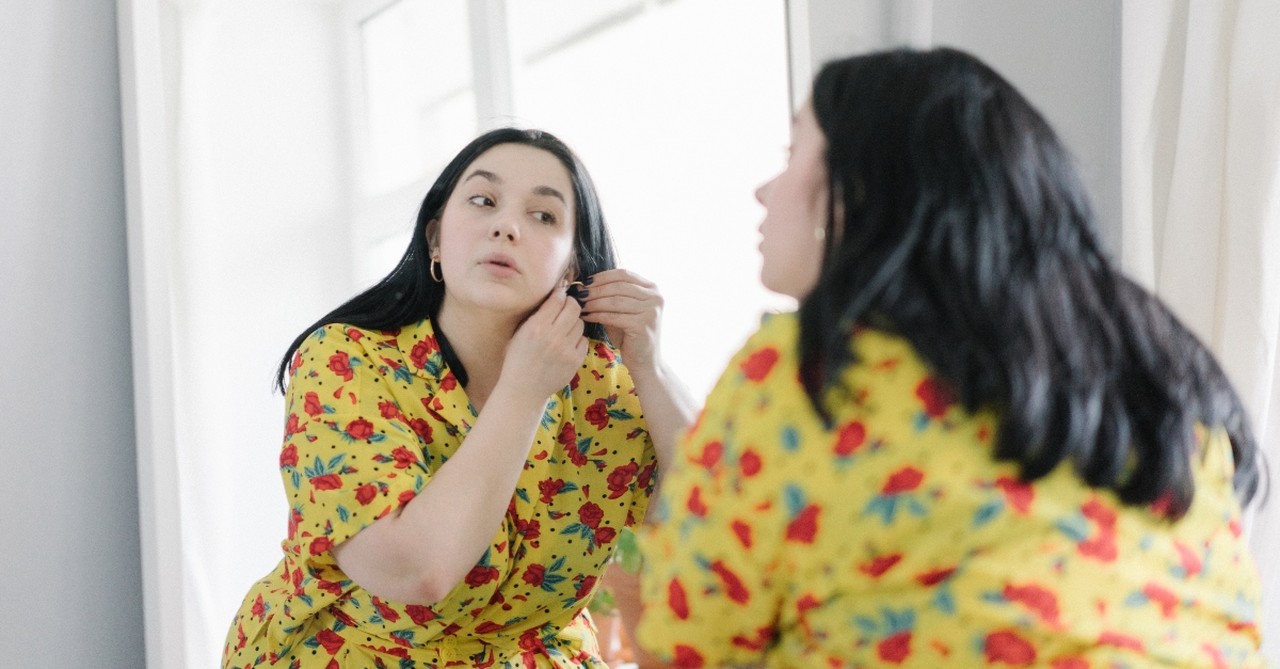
(370, 416)
(894, 539)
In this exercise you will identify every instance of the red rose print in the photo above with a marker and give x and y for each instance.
(366, 493)
(1109, 638)
(760, 363)
(549, 488)
(360, 429)
(340, 364)
(604, 353)
(488, 627)
(421, 350)
(880, 565)
(605, 534)
(1039, 600)
(646, 475)
(568, 435)
(749, 463)
(448, 382)
(404, 457)
(330, 640)
(321, 545)
(937, 397)
(710, 454)
(289, 456)
(903, 480)
(590, 514)
(354, 334)
(743, 531)
(759, 641)
(530, 642)
(1162, 596)
(295, 363)
(1019, 495)
(852, 436)
(329, 586)
(804, 526)
(733, 587)
(688, 658)
(585, 586)
(259, 609)
(934, 576)
(1069, 663)
(529, 529)
(422, 428)
(895, 648)
(1008, 648)
(479, 575)
(677, 601)
(406, 496)
(696, 506)
(388, 614)
(312, 404)
(598, 414)
(326, 482)
(388, 409)
(1190, 561)
(620, 479)
(293, 425)
(420, 614)
(534, 574)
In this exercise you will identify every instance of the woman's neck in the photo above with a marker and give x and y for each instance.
(479, 340)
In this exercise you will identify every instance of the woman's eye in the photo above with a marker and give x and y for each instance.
(480, 200)
(545, 217)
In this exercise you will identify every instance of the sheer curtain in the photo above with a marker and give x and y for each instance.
(1200, 128)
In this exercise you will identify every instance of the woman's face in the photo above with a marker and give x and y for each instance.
(505, 236)
(795, 217)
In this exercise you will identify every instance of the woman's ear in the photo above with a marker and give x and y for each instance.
(571, 272)
(433, 237)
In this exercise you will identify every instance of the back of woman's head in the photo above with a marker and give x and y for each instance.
(958, 221)
(408, 294)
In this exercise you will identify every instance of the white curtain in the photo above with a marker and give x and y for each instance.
(1200, 128)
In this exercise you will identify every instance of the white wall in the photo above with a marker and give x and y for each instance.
(72, 581)
(1064, 56)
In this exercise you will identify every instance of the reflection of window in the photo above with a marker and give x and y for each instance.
(678, 111)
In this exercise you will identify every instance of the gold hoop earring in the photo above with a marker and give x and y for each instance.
(433, 271)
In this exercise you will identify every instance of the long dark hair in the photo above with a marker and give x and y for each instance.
(958, 221)
(408, 294)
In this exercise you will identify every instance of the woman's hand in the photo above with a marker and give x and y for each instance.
(548, 348)
(630, 309)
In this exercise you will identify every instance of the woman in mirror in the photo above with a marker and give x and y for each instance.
(465, 439)
(975, 442)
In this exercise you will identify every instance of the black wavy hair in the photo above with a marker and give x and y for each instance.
(408, 294)
(958, 221)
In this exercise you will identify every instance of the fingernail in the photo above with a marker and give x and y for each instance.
(583, 293)
(587, 281)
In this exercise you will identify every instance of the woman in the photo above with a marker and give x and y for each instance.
(454, 499)
(975, 443)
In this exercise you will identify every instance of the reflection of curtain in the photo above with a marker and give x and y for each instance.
(1200, 92)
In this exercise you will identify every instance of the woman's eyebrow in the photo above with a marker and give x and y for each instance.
(539, 190)
(486, 174)
(551, 192)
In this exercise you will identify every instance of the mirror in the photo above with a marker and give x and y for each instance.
(277, 151)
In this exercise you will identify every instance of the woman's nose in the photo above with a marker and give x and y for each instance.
(762, 191)
(504, 227)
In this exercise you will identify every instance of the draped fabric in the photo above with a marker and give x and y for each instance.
(1200, 127)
